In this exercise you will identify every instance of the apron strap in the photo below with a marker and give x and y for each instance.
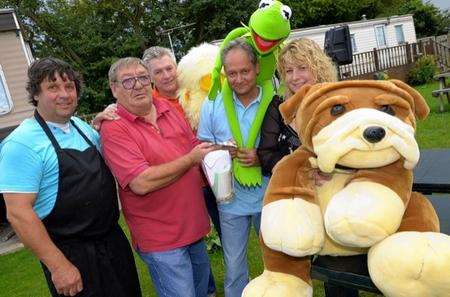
(46, 129)
(50, 135)
(82, 134)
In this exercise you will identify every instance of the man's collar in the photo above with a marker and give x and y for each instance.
(156, 94)
(257, 99)
(124, 113)
(160, 106)
(64, 127)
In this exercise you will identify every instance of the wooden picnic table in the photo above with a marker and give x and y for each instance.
(443, 89)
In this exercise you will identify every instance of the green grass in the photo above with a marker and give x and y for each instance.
(434, 131)
(21, 276)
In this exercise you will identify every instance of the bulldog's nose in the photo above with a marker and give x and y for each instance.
(374, 134)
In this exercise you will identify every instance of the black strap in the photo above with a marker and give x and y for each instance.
(82, 134)
(50, 135)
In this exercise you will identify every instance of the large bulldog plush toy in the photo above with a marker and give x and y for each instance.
(362, 134)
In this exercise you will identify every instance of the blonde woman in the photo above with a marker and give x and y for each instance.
(300, 62)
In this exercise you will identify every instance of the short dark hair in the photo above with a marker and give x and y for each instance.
(47, 68)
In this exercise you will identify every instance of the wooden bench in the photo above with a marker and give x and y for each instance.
(440, 93)
(443, 90)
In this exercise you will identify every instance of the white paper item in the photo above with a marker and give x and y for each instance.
(217, 166)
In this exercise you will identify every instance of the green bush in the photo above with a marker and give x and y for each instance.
(381, 75)
(423, 71)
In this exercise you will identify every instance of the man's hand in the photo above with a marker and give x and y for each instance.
(199, 152)
(233, 151)
(247, 157)
(109, 114)
(67, 279)
(229, 145)
(32, 233)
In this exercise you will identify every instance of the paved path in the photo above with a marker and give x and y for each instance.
(9, 242)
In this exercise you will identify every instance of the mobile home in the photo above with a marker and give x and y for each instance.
(15, 57)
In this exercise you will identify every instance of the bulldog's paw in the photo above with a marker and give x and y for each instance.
(362, 214)
(412, 264)
(276, 284)
(292, 226)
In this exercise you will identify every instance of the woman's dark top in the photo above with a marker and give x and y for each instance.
(277, 139)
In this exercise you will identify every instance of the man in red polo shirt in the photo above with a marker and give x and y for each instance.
(154, 155)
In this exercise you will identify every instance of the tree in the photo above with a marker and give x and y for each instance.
(210, 25)
(92, 34)
(428, 19)
(309, 13)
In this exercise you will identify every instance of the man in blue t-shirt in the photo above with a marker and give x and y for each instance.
(60, 196)
(241, 69)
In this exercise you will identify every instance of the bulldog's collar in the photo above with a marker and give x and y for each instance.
(337, 168)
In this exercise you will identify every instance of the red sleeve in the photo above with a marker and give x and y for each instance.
(121, 152)
(194, 140)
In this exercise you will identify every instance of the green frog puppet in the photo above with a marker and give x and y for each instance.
(267, 29)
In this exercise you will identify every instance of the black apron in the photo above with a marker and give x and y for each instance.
(83, 223)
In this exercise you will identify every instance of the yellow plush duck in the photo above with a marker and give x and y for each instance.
(194, 78)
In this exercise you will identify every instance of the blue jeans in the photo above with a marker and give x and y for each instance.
(182, 272)
(235, 233)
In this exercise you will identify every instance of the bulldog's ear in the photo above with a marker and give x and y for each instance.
(289, 107)
(421, 108)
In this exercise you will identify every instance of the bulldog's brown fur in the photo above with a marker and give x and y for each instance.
(292, 177)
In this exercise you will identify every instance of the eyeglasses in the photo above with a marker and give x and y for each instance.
(130, 82)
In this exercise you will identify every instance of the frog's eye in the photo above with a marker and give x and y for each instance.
(264, 4)
(286, 12)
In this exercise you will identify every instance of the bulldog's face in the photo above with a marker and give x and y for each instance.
(358, 124)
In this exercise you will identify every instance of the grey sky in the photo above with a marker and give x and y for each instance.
(441, 4)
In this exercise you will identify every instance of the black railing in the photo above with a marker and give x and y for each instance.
(378, 60)
(396, 56)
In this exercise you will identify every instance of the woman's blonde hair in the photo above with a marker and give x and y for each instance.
(304, 51)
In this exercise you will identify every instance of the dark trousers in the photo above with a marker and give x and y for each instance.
(211, 206)
(337, 291)
(2, 210)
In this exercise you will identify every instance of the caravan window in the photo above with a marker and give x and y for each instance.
(399, 34)
(380, 35)
(352, 39)
(5, 97)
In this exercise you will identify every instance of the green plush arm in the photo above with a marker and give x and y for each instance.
(215, 74)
